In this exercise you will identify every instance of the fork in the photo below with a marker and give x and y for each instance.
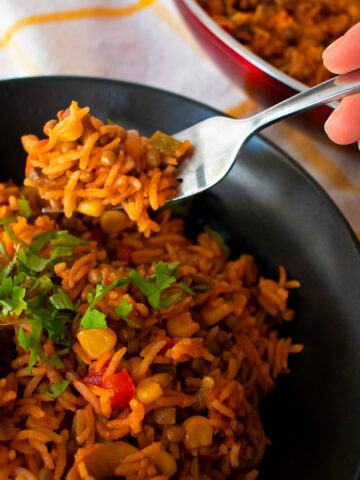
(217, 141)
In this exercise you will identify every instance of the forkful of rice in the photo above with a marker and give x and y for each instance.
(93, 168)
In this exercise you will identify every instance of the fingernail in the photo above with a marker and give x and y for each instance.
(334, 44)
(332, 117)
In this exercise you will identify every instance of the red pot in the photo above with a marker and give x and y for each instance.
(268, 84)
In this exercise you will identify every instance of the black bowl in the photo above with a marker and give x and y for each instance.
(270, 207)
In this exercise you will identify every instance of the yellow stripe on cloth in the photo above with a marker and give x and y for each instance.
(97, 12)
(311, 154)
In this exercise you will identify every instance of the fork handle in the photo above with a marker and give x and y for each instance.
(333, 89)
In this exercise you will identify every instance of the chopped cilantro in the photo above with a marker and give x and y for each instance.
(218, 238)
(3, 251)
(93, 319)
(24, 207)
(63, 351)
(61, 301)
(101, 291)
(32, 261)
(32, 343)
(57, 327)
(11, 298)
(12, 235)
(7, 220)
(164, 276)
(123, 310)
(24, 340)
(57, 389)
(54, 361)
(186, 288)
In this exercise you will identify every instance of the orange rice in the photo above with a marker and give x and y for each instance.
(289, 34)
(199, 366)
(87, 166)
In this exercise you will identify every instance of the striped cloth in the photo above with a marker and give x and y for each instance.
(146, 41)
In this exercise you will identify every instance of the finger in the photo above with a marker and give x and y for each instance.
(342, 56)
(343, 125)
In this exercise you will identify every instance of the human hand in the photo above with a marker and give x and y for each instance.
(342, 56)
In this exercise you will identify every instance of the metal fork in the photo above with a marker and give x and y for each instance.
(217, 141)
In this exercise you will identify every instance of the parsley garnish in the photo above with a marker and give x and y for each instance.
(32, 343)
(164, 276)
(11, 298)
(54, 361)
(123, 310)
(24, 207)
(218, 238)
(94, 318)
(61, 301)
(57, 389)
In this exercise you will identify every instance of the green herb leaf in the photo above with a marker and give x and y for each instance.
(34, 344)
(11, 297)
(24, 207)
(24, 340)
(55, 362)
(7, 220)
(63, 351)
(56, 325)
(218, 238)
(32, 261)
(123, 310)
(57, 389)
(186, 289)
(110, 122)
(61, 301)
(12, 235)
(3, 251)
(101, 291)
(164, 277)
(93, 319)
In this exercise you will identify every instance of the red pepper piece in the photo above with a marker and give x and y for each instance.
(94, 377)
(123, 386)
(123, 253)
(169, 343)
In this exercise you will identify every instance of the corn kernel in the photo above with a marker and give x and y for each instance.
(93, 208)
(182, 325)
(148, 391)
(108, 158)
(166, 463)
(198, 432)
(112, 221)
(215, 315)
(97, 341)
